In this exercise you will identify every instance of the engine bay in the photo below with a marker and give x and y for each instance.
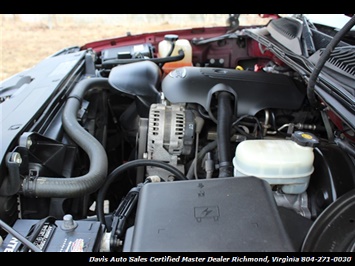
(191, 140)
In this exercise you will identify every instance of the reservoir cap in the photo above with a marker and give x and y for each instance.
(305, 139)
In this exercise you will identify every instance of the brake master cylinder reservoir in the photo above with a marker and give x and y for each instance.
(285, 163)
(164, 48)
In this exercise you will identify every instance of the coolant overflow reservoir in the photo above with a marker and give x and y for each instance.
(287, 163)
(164, 49)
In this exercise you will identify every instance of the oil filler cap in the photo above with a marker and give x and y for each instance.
(305, 139)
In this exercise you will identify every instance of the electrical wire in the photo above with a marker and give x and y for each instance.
(20, 237)
(124, 167)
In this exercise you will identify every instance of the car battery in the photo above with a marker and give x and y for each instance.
(64, 235)
(128, 52)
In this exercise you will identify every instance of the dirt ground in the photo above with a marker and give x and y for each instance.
(24, 44)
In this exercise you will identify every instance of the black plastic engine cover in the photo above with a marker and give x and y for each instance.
(224, 214)
(255, 90)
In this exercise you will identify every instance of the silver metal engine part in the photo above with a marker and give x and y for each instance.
(170, 135)
(296, 202)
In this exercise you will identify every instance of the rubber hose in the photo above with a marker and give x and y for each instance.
(59, 187)
(224, 122)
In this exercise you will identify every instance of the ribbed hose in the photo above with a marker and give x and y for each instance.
(224, 122)
(323, 59)
(59, 187)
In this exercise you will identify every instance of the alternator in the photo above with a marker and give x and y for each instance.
(170, 134)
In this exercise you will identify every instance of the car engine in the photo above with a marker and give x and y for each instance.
(131, 150)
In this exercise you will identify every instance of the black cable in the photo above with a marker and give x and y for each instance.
(236, 122)
(202, 112)
(36, 229)
(345, 145)
(124, 167)
(323, 59)
(20, 237)
(209, 147)
(114, 62)
(169, 53)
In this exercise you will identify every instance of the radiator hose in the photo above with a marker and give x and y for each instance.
(224, 121)
(59, 187)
